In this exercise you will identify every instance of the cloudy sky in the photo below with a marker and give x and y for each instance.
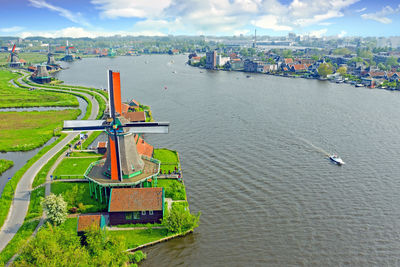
(91, 18)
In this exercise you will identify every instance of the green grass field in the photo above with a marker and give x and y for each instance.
(135, 238)
(73, 166)
(169, 159)
(11, 96)
(21, 131)
(83, 196)
(5, 164)
(173, 188)
(35, 209)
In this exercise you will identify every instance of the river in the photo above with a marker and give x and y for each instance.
(254, 156)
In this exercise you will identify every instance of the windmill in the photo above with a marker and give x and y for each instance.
(13, 58)
(69, 57)
(50, 58)
(123, 160)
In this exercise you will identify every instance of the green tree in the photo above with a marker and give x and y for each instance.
(287, 53)
(341, 51)
(244, 52)
(203, 61)
(179, 219)
(392, 61)
(381, 66)
(55, 208)
(325, 69)
(342, 71)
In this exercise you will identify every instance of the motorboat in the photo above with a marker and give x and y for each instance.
(336, 159)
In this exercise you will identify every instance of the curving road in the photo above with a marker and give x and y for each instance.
(20, 204)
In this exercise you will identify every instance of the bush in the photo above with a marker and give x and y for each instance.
(179, 219)
(55, 208)
(138, 256)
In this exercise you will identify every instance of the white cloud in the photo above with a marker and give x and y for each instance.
(318, 33)
(223, 16)
(361, 9)
(381, 16)
(342, 34)
(74, 17)
(270, 22)
(77, 32)
(12, 29)
(129, 8)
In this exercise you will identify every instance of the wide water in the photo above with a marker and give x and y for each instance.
(254, 155)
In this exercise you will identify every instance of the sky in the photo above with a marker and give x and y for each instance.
(93, 18)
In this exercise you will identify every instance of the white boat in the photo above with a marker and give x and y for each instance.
(336, 159)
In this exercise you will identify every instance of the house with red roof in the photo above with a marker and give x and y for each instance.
(88, 222)
(143, 148)
(137, 116)
(134, 104)
(136, 205)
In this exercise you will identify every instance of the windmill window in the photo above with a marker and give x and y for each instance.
(136, 215)
(128, 215)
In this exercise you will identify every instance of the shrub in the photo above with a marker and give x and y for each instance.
(55, 208)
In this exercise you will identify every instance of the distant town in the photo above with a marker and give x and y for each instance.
(362, 61)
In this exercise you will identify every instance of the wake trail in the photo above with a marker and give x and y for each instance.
(314, 146)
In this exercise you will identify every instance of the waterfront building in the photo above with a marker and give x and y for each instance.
(136, 205)
(211, 60)
(221, 61)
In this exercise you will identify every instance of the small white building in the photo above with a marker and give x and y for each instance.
(222, 60)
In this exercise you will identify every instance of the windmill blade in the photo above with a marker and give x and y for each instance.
(147, 127)
(114, 93)
(85, 125)
(115, 157)
(13, 49)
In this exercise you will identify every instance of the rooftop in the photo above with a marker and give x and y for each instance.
(86, 221)
(136, 199)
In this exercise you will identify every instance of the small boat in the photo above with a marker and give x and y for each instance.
(248, 76)
(336, 159)
(359, 85)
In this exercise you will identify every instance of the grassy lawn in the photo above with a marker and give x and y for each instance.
(84, 154)
(173, 188)
(21, 131)
(18, 241)
(11, 96)
(135, 238)
(180, 204)
(73, 166)
(70, 225)
(5, 164)
(169, 159)
(83, 196)
(35, 209)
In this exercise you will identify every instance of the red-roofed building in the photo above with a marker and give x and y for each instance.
(298, 67)
(134, 104)
(86, 221)
(137, 116)
(125, 108)
(136, 205)
(143, 148)
(288, 60)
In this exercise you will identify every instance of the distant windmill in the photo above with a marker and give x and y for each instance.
(13, 58)
(50, 58)
(123, 161)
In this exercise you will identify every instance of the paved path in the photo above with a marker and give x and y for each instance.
(20, 204)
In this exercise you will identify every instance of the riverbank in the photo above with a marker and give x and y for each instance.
(5, 165)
